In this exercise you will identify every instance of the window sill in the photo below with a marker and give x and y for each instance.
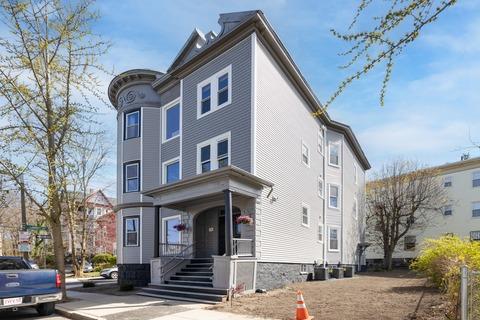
(306, 165)
(305, 225)
(131, 191)
(333, 250)
(125, 139)
(334, 165)
(334, 208)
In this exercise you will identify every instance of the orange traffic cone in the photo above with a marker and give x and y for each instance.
(302, 312)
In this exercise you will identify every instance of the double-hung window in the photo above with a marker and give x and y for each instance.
(214, 153)
(475, 235)
(476, 179)
(131, 174)
(215, 92)
(447, 181)
(171, 170)
(320, 188)
(334, 154)
(223, 89)
(409, 243)
(131, 231)
(320, 141)
(132, 124)
(475, 209)
(205, 158)
(320, 232)
(333, 239)
(305, 215)
(333, 196)
(206, 102)
(305, 154)
(171, 121)
(447, 210)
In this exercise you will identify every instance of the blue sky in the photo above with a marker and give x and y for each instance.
(433, 101)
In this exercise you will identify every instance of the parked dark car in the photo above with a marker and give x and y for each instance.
(23, 286)
(87, 267)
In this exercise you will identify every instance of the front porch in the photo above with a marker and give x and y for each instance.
(200, 240)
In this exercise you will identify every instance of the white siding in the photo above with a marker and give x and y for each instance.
(283, 121)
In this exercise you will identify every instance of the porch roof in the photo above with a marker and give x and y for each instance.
(208, 186)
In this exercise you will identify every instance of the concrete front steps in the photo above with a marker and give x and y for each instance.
(192, 283)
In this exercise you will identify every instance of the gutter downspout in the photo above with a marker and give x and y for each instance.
(342, 203)
(324, 177)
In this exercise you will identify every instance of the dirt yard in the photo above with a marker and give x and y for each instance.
(379, 295)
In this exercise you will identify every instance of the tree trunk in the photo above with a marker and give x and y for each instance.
(387, 258)
(59, 251)
(77, 269)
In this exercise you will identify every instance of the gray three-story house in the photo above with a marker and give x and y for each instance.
(226, 177)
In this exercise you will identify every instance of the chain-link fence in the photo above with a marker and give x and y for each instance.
(470, 294)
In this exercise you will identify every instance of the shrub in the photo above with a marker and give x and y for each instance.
(440, 260)
(89, 284)
(126, 287)
(104, 259)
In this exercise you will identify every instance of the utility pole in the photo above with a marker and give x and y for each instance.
(24, 209)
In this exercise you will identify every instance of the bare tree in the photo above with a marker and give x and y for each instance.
(402, 197)
(48, 67)
(82, 163)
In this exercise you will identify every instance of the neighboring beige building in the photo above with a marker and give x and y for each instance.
(461, 216)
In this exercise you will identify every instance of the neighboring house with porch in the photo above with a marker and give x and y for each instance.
(460, 216)
(227, 135)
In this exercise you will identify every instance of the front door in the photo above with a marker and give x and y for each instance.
(206, 233)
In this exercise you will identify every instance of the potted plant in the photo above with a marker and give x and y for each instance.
(180, 227)
(244, 220)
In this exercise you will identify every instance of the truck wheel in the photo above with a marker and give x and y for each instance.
(46, 309)
(113, 275)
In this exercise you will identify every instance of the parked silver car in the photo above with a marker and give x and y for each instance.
(110, 273)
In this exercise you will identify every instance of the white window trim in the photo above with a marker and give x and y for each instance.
(164, 120)
(330, 144)
(125, 169)
(320, 141)
(473, 177)
(308, 154)
(164, 240)
(473, 208)
(355, 202)
(304, 205)
(339, 205)
(126, 124)
(451, 209)
(447, 179)
(213, 151)
(321, 194)
(126, 233)
(213, 81)
(164, 168)
(338, 240)
(320, 224)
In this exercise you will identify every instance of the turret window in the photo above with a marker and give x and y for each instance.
(132, 124)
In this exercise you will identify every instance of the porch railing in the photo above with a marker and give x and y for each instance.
(171, 249)
(242, 247)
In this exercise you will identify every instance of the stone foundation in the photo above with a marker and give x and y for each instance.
(277, 275)
(134, 273)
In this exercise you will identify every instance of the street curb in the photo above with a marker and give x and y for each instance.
(75, 315)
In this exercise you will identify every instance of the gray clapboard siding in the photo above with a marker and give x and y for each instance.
(234, 117)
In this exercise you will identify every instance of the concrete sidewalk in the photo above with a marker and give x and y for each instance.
(94, 306)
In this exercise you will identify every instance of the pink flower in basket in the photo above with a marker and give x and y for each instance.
(180, 227)
(244, 220)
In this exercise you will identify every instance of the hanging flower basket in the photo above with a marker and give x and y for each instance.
(244, 220)
(180, 227)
